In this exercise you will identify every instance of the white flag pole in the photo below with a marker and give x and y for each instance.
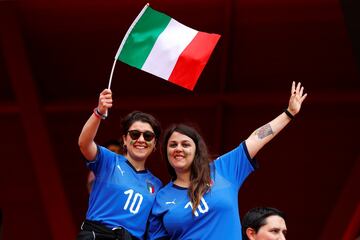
(111, 74)
(110, 79)
(123, 42)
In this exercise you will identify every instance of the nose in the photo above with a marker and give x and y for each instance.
(141, 138)
(178, 148)
(282, 237)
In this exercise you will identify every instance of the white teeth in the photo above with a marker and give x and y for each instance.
(140, 147)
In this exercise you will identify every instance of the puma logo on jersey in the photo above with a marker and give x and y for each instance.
(172, 202)
(121, 171)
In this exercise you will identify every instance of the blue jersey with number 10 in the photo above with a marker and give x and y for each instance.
(121, 196)
(217, 216)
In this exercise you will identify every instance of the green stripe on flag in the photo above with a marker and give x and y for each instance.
(143, 36)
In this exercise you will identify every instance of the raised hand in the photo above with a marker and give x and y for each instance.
(105, 101)
(296, 99)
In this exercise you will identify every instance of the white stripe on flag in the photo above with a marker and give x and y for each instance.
(167, 49)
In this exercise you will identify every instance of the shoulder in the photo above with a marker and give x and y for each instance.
(103, 151)
(120, 157)
(165, 190)
(240, 149)
(155, 179)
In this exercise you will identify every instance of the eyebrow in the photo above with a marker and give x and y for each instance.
(182, 141)
(279, 229)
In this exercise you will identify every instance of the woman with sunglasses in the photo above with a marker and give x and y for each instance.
(201, 201)
(123, 191)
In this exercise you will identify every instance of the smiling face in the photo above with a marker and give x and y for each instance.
(274, 229)
(180, 152)
(139, 149)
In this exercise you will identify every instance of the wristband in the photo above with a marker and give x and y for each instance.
(292, 117)
(98, 114)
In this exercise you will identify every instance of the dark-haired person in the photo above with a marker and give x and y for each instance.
(264, 223)
(123, 191)
(201, 201)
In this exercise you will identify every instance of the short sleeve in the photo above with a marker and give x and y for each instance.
(103, 160)
(156, 229)
(235, 165)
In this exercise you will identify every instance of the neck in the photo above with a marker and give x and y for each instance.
(183, 179)
(138, 165)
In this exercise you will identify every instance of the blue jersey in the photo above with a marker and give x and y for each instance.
(217, 216)
(121, 196)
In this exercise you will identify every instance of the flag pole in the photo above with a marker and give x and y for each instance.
(110, 79)
(124, 40)
(111, 74)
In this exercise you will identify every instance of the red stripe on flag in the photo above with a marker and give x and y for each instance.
(193, 59)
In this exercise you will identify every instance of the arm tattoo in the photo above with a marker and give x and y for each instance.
(264, 131)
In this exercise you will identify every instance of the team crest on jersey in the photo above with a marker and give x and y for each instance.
(150, 187)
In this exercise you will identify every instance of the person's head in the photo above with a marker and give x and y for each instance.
(140, 133)
(185, 152)
(264, 223)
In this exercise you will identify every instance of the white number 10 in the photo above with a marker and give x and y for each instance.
(137, 199)
(200, 208)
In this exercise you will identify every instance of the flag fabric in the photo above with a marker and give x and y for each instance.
(162, 46)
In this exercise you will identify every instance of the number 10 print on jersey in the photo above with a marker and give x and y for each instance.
(126, 194)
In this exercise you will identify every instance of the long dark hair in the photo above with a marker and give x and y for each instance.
(200, 180)
(256, 218)
(135, 116)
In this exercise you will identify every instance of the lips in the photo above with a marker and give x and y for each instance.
(140, 147)
(179, 157)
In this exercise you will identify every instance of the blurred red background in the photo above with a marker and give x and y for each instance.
(56, 56)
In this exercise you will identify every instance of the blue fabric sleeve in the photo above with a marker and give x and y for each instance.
(156, 229)
(103, 161)
(235, 165)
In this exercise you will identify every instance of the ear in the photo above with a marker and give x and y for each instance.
(124, 138)
(250, 233)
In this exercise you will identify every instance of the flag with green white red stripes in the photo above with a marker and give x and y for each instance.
(162, 46)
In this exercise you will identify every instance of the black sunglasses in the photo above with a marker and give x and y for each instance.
(147, 135)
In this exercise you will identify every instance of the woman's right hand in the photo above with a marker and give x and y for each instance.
(105, 101)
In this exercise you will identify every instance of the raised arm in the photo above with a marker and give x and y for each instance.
(86, 139)
(264, 134)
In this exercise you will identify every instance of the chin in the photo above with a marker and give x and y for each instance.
(180, 168)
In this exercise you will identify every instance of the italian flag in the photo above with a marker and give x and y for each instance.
(162, 46)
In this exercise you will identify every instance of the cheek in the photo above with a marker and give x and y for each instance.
(169, 153)
(187, 152)
(263, 235)
(149, 144)
(132, 142)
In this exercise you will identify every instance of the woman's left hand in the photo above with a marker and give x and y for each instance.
(296, 99)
